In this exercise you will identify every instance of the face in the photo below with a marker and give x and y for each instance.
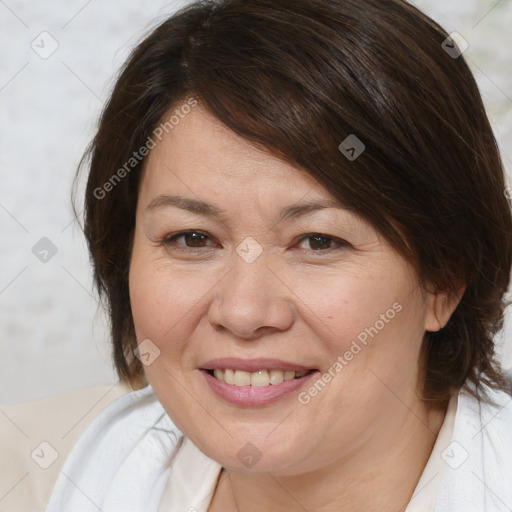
(231, 260)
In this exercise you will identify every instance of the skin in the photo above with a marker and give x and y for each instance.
(363, 441)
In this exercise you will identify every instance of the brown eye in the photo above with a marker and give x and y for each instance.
(193, 240)
(319, 242)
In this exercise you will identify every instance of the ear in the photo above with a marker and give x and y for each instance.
(440, 307)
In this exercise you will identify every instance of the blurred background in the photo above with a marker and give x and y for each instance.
(59, 60)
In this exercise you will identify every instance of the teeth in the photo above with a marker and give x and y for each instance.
(289, 375)
(219, 374)
(276, 376)
(229, 376)
(260, 378)
(242, 378)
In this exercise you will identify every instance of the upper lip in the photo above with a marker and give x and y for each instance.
(252, 365)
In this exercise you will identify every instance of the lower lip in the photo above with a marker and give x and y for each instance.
(253, 396)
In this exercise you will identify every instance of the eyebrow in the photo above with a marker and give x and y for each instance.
(208, 210)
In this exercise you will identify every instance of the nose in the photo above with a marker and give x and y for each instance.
(251, 301)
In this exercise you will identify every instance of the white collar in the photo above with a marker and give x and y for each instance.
(192, 482)
(424, 497)
(192, 465)
(132, 458)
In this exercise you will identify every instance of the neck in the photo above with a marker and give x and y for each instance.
(382, 475)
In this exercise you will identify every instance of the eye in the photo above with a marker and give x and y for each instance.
(319, 242)
(194, 239)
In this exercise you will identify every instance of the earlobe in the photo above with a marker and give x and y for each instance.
(440, 307)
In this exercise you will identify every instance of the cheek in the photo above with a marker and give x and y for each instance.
(366, 319)
(164, 300)
(355, 302)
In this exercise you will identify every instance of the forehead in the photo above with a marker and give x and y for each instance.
(204, 169)
(200, 150)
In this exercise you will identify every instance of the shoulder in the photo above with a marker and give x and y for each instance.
(37, 437)
(494, 409)
(496, 426)
(477, 465)
(487, 422)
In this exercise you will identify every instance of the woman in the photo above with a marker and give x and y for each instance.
(296, 215)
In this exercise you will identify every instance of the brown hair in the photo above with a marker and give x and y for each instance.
(296, 78)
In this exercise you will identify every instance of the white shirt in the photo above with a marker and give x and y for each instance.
(132, 458)
(181, 490)
(424, 497)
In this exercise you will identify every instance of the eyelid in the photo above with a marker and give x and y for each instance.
(339, 243)
(166, 240)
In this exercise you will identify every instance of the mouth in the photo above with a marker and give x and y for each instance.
(250, 387)
(260, 378)
(255, 382)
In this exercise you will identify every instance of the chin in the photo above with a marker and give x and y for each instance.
(243, 456)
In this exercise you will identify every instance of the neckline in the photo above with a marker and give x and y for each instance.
(194, 476)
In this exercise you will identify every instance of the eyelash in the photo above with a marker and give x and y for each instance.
(338, 243)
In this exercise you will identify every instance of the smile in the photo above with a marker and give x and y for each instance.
(255, 382)
(260, 378)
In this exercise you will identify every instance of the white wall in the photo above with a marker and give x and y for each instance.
(52, 337)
